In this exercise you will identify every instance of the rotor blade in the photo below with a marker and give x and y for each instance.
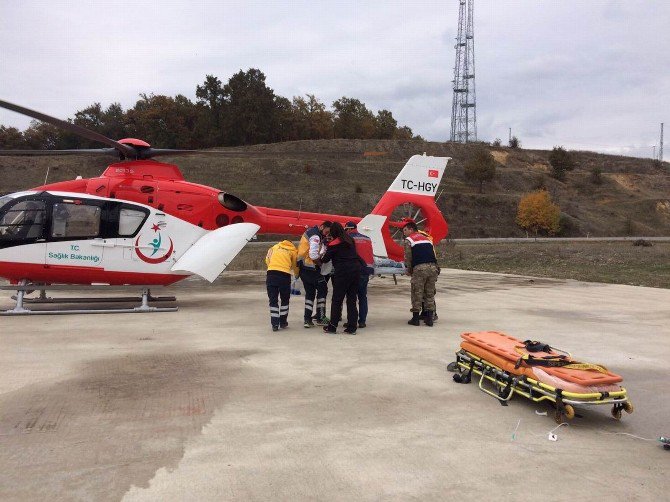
(91, 151)
(81, 131)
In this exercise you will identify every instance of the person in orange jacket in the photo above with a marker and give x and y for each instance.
(281, 260)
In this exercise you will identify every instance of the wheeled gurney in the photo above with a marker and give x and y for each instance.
(538, 372)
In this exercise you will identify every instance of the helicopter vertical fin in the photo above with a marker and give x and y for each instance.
(213, 252)
(416, 184)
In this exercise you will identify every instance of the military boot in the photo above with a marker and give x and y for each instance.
(414, 321)
(428, 319)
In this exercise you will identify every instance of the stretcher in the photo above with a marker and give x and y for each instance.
(507, 366)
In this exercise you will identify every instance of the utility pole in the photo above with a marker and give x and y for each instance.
(510, 134)
(653, 155)
(660, 147)
(464, 103)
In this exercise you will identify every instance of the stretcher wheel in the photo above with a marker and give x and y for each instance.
(616, 413)
(453, 366)
(558, 417)
(569, 411)
(628, 407)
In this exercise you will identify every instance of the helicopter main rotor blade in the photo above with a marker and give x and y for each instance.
(90, 151)
(125, 150)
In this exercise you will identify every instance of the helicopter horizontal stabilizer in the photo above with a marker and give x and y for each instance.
(372, 226)
(213, 252)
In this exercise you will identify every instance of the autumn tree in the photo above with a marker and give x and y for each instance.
(311, 120)
(561, 161)
(164, 121)
(538, 214)
(480, 168)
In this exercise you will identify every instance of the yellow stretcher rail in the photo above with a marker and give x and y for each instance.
(509, 384)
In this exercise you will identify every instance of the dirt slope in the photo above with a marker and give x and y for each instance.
(337, 176)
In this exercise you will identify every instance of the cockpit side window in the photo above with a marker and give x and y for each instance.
(22, 221)
(130, 221)
(70, 220)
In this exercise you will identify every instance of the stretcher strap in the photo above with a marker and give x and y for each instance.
(558, 361)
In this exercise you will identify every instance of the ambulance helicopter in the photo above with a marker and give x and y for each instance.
(141, 223)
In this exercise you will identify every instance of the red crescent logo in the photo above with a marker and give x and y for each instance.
(145, 258)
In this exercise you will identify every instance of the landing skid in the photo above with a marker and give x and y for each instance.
(23, 289)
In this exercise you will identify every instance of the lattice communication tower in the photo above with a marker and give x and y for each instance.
(464, 104)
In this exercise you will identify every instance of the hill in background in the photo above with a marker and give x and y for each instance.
(349, 176)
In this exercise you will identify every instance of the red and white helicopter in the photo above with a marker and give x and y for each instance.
(141, 223)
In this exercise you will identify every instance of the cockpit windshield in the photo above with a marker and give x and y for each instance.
(22, 220)
(4, 200)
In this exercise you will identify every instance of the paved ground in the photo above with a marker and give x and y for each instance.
(209, 404)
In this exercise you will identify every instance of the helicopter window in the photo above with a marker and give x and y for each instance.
(75, 220)
(129, 221)
(23, 220)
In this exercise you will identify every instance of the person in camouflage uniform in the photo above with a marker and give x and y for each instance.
(421, 264)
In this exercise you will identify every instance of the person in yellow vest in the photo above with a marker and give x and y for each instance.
(316, 287)
(282, 263)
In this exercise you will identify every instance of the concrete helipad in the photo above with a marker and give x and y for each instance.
(208, 404)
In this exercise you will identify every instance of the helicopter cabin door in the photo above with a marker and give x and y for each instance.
(73, 240)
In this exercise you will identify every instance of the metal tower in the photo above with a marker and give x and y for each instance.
(464, 104)
(660, 148)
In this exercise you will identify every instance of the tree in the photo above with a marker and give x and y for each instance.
(514, 142)
(249, 109)
(353, 120)
(311, 120)
(538, 214)
(480, 168)
(164, 122)
(561, 161)
(11, 138)
(404, 132)
(496, 142)
(385, 125)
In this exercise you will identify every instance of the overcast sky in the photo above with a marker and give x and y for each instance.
(583, 74)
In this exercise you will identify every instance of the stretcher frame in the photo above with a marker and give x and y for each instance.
(508, 384)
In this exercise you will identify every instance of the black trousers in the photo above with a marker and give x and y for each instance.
(345, 285)
(315, 288)
(279, 289)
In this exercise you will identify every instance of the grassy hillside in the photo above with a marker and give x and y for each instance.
(335, 176)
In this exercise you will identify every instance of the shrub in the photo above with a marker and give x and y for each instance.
(538, 214)
(359, 188)
(561, 161)
(480, 168)
(496, 142)
(596, 176)
(514, 142)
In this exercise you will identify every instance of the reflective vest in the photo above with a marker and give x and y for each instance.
(422, 249)
(282, 257)
(311, 238)
(364, 250)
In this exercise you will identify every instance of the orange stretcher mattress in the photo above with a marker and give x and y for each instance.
(504, 351)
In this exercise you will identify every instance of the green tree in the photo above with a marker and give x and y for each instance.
(514, 142)
(385, 125)
(561, 161)
(210, 102)
(249, 109)
(11, 138)
(352, 119)
(43, 136)
(538, 214)
(480, 168)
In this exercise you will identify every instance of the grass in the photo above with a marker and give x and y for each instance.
(609, 262)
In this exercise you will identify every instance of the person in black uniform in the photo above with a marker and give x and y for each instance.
(347, 264)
